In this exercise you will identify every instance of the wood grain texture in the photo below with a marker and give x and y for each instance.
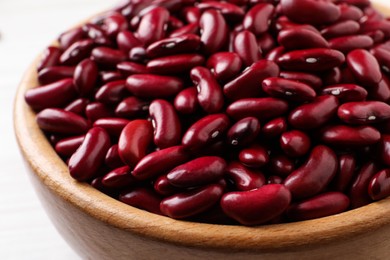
(99, 227)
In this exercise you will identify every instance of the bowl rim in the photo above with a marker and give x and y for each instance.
(52, 171)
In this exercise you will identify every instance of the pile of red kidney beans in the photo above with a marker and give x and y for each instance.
(230, 112)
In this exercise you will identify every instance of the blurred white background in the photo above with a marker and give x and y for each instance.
(26, 27)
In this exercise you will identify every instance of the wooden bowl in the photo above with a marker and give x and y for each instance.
(99, 227)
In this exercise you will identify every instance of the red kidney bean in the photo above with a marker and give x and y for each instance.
(186, 101)
(107, 56)
(343, 178)
(256, 206)
(288, 89)
(384, 149)
(115, 23)
(266, 42)
(368, 112)
(358, 193)
(280, 165)
(191, 14)
(68, 146)
(153, 25)
(132, 107)
(379, 186)
(127, 41)
(153, 86)
(244, 179)
(346, 92)
(112, 159)
(244, 131)
(318, 59)
(364, 67)
(174, 23)
(76, 52)
(349, 43)
(112, 92)
(301, 38)
(96, 110)
(311, 11)
(50, 57)
(163, 187)
(69, 37)
(350, 12)
(274, 127)
(191, 28)
(331, 77)
(96, 34)
(134, 141)
(322, 205)
(275, 53)
(112, 125)
(127, 68)
(231, 12)
(56, 94)
(383, 26)
(261, 108)
(283, 23)
(383, 57)
(77, 106)
(377, 36)
(310, 79)
(187, 43)
(85, 76)
(59, 121)
(86, 161)
(166, 124)
(295, 143)
(119, 178)
(142, 198)
(381, 92)
(248, 83)
(258, 18)
(210, 96)
(245, 45)
(108, 76)
(343, 28)
(55, 73)
(191, 202)
(314, 175)
(180, 63)
(254, 156)
(214, 31)
(273, 179)
(348, 136)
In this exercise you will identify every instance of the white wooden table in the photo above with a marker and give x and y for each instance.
(26, 27)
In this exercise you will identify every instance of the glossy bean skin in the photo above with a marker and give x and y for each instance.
(310, 79)
(349, 136)
(248, 83)
(266, 42)
(358, 192)
(67, 146)
(127, 68)
(288, 89)
(180, 63)
(314, 175)
(152, 25)
(191, 28)
(112, 125)
(167, 128)
(191, 14)
(343, 28)
(280, 165)
(343, 178)
(301, 38)
(214, 31)
(77, 106)
(382, 25)
(96, 34)
(244, 131)
(50, 57)
(256, 206)
(275, 53)
(106, 56)
(257, 18)
(115, 23)
(379, 186)
(97, 110)
(160, 162)
(57, 94)
(190, 203)
(76, 52)
(126, 40)
(66, 39)
(382, 56)
(55, 73)
(384, 149)
(153, 86)
(245, 45)
(350, 12)
(205, 131)
(112, 92)
(134, 141)
(243, 178)
(163, 187)
(346, 92)
(322, 205)
(142, 198)
(132, 107)
(254, 156)
(365, 112)
(119, 178)
(108, 76)
(55, 120)
(186, 101)
(364, 67)
(210, 95)
(187, 43)
(274, 127)
(85, 76)
(231, 12)
(346, 44)
(112, 159)
(295, 143)
(224, 65)
(86, 161)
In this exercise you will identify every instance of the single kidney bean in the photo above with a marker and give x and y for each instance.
(57, 94)
(190, 203)
(343, 178)
(266, 42)
(108, 76)
(112, 92)
(107, 56)
(163, 187)
(191, 14)
(68, 146)
(257, 19)
(295, 143)
(115, 23)
(245, 45)
(244, 131)
(283, 23)
(152, 25)
(382, 25)
(256, 206)
(210, 95)
(310, 79)
(52, 74)
(127, 68)
(381, 92)
(364, 67)
(343, 28)
(75, 53)
(384, 149)
(232, 13)
(180, 63)
(332, 76)
(311, 11)
(346, 92)
(86, 161)
(159, 162)
(186, 101)
(377, 36)
(364, 112)
(301, 38)
(112, 159)
(134, 141)
(383, 57)
(132, 107)
(274, 128)
(55, 120)
(379, 186)
(85, 76)
(254, 156)
(244, 179)
(142, 198)
(112, 125)
(275, 53)
(214, 30)
(166, 124)
(224, 65)
(127, 41)
(50, 57)
(280, 165)
(350, 12)
(248, 83)
(318, 59)
(348, 136)
(96, 110)
(314, 175)
(153, 86)
(349, 43)
(77, 106)
(119, 178)
(314, 114)
(261, 108)
(191, 28)
(288, 89)
(69, 37)
(205, 131)
(96, 34)
(358, 192)
(186, 43)
(322, 205)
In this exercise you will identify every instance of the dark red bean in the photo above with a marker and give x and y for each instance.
(379, 186)
(244, 179)
(358, 193)
(68, 146)
(368, 112)
(191, 28)
(127, 41)
(256, 206)
(187, 43)
(107, 56)
(115, 23)
(364, 67)
(350, 12)
(346, 92)
(314, 175)
(273, 179)
(86, 161)
(274, 128)
(85, 76)
(232, 13)
(142, 198)
(332, 76)
(132, 107)
(153, 25)
(96, 110)
(75, 53)
(280, 165)
(153, 86)
(108, 76)
(112, 159)
(266, 42)
(119, 178)
(77, 106)
(244, 131)
(112, 125)
(349, 43)
(283, 23)
(112, 92)
(383, 57)
(288, 89)
(384, 149)
(245, 45)
(214, 31)
(50, 57)
(163, 187)
(343, 178)
(343, 28)
(254, 156)
(295, 143)
(383, 26)
(69, 37)
(348, 136)
(176, 64)
(301, 38)
(186, 101)
(275, 53)
(258, 18)
(310, 79)
(96, 34)
(52, 74)
(224, 65)
(191, 14)
(127, 68)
